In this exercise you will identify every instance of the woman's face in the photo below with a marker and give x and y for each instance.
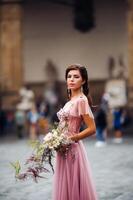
(74, 80)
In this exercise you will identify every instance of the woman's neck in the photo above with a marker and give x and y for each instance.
(76, 93)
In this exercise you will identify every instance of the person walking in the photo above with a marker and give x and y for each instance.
(117, 125)
(101, 125)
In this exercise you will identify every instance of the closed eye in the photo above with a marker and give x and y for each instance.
(76, 76)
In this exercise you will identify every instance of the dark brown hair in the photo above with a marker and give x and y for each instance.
(84, 76)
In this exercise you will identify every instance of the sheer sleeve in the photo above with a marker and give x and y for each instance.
(84, 108)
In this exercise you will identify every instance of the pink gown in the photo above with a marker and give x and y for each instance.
(72, 178)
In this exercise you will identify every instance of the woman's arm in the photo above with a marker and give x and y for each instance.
(90, 130)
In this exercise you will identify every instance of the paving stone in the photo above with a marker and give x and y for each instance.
(111, 168)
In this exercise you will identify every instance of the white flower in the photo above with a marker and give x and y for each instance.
(55, 133)
(48, 137)
(57, 137)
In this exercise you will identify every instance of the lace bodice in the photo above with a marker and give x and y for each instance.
(72, 113)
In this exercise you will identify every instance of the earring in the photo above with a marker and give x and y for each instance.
(69, 93)
(82, 88)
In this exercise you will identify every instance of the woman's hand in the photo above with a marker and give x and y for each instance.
(74, 138)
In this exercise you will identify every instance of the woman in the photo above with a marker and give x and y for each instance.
(73, 179)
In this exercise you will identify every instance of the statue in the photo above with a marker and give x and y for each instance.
(27, 99)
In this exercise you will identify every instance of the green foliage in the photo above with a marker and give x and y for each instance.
(16, 166)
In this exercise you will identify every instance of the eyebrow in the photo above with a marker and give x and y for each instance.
(73, 75)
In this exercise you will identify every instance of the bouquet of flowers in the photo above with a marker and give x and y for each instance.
(55, 140)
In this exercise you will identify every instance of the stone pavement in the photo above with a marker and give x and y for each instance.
(112, 169)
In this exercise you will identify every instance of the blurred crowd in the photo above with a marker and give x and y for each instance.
(107, 119)
(32, 117)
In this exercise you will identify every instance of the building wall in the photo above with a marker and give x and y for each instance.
(48, 33)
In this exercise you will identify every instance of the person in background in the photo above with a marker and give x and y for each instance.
(2, 122)
(117, 125)
(101, 126)
(33, 118)
(20, 120)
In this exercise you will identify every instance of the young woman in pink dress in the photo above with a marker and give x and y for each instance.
(72, 178)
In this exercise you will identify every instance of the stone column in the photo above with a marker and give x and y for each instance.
(11, 45)
(130, 52)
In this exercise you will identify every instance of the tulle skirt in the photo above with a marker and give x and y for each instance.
(72, 178)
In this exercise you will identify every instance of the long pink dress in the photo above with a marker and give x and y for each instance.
(72, 178)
